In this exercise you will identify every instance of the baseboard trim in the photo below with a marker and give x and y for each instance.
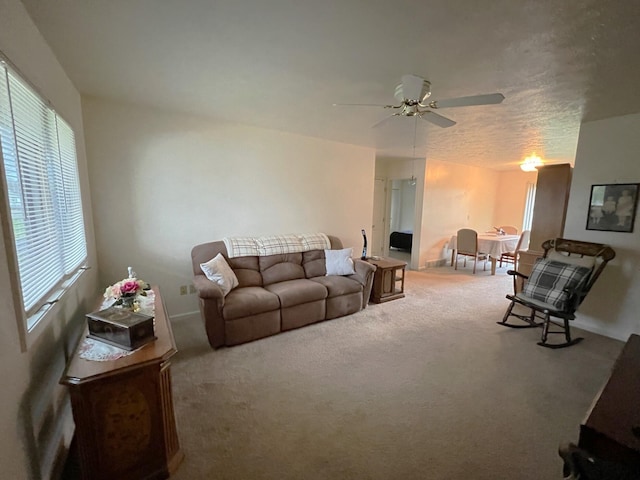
(178, 316)
(436, 263)
(623, 337)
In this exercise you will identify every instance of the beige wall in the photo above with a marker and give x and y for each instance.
(608, 153)
(164, 182)
(455, 196)
(35, 418)
(512, 196)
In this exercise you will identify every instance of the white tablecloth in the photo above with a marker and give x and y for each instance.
(491, 244)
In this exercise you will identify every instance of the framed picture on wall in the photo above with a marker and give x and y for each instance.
(613, 207)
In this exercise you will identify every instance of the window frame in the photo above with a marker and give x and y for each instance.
(32, 322)
(530, 200)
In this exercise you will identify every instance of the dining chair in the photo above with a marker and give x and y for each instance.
(512, 257)
(509, 229)
(559, 282)
(467, 246)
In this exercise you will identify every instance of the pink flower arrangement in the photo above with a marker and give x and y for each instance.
(129, 287)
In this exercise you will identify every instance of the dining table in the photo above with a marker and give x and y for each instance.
(491, 244)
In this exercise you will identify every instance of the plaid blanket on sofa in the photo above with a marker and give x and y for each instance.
(275, 244)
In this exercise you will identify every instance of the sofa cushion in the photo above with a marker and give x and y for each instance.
(552, 282)
(296, 292)
(247, 270)
(218, 271)
(339, 262)
(281, 267)
(337, 285)
(343, 305)
(313, 263)
(246, 329)
(245, 301)
(303, 314)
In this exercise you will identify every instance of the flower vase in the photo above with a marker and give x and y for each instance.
(127, 301)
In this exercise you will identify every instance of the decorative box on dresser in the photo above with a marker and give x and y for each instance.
(549, 211)
(123, 410)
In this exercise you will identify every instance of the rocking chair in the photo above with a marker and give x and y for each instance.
(556, 287)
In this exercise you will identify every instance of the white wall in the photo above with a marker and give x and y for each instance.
(403, 205)
(608, 152)
(163, 183)
(35, 420)
(408, 202)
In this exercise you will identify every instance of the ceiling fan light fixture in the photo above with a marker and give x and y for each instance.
(530, 164)
(425, 93)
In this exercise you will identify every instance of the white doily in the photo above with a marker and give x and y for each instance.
(98, 351)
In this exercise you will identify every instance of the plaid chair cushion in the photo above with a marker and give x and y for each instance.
(552, 281)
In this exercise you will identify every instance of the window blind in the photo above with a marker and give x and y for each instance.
(43, 190)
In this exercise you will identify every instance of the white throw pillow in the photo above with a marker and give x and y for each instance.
(339, 262)
(218, 271)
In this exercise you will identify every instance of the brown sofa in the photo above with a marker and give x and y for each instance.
(276, 293)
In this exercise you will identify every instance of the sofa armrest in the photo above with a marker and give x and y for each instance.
(364, 276)
(211, 302)
(208, 289)
(363, 271)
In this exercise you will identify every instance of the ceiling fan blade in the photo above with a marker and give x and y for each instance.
(384, 121)
(488, 99)
(365, 105)
(412, 87)
(436, 119)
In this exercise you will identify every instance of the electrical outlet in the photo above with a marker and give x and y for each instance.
(192, 289)
(183, 289)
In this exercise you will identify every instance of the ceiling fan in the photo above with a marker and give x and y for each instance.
(413, 93)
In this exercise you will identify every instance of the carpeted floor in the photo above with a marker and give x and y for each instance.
(425, 387)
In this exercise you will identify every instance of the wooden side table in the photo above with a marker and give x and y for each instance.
(388, 279)
(123, 410)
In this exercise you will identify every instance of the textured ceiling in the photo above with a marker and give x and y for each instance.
(281, 64)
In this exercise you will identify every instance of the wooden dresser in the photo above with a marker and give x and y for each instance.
(549, 211)
(611, 430)
(123, 410)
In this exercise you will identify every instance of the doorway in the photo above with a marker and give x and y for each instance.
(402, 218)
(379, 225)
